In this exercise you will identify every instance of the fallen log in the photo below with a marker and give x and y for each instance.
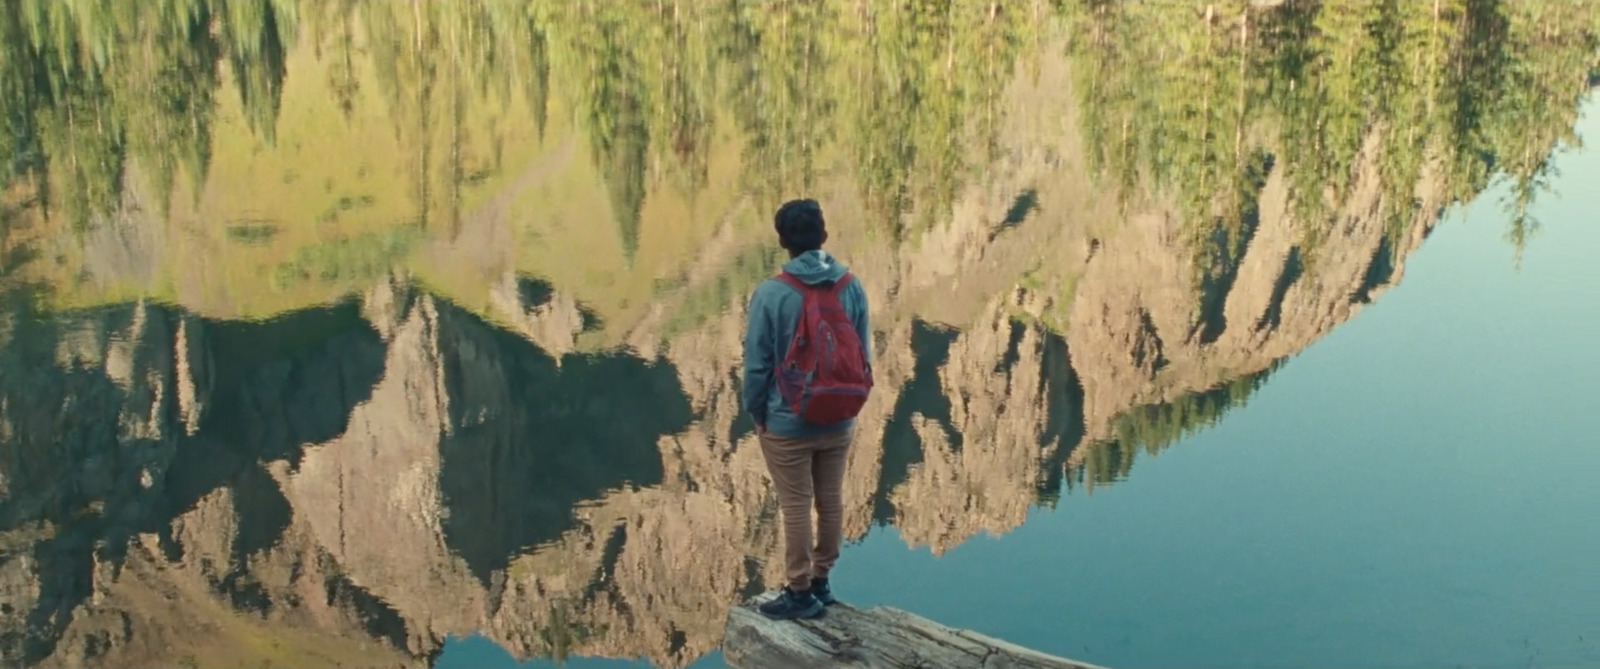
(878, 638)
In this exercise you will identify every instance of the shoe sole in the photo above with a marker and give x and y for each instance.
(806, 614)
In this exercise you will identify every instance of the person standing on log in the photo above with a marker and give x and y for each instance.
(807, 372)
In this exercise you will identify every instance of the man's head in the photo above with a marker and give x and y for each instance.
(800, 226)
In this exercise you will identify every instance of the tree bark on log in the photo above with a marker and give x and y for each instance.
(876, 638)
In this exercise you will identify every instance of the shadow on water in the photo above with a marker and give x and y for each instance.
(534, 292)
(1025, 204)
(1222, 251)
(1380, 271)
(1063, 389)
(279, 385)
(533, 437)
(924, 395)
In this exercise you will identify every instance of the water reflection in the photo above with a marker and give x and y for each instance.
(344, 323)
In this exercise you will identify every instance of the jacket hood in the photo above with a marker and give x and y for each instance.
(814, 267)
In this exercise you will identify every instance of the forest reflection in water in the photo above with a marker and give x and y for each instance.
(339, 322)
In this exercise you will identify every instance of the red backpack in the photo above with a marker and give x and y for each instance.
(824, 377)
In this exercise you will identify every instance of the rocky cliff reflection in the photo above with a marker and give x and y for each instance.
(1081, 247)
(398, 467)
(346, 449)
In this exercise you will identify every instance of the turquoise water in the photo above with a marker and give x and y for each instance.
(1417, 489)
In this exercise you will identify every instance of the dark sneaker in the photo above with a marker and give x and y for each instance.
(823, 593)
(790, 605)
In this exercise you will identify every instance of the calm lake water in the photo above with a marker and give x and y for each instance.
(408, 334)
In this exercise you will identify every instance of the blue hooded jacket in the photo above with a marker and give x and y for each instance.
(774, 312)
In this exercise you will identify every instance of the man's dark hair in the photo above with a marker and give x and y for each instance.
(800, 226)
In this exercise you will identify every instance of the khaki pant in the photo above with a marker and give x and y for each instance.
(809, 470)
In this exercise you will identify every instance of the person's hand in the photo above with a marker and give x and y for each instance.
(761, 429)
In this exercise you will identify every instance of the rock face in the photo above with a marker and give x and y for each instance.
(552, 323)
(1137, 331)
(353, 484)
(138, 512)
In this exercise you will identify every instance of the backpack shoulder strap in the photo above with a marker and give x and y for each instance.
(839, 286)
(793, 282)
